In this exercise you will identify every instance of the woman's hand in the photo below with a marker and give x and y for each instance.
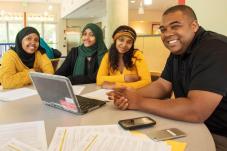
(108, 85)
(131, 78)
(32, 70)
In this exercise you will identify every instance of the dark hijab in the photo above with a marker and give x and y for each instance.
(27, 59)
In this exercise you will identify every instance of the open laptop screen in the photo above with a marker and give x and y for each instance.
(57, 91)
(54, 90)
(51, 90)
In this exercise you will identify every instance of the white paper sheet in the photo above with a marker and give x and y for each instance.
(102, 142)
(77, 89)
(30, 133)
(15, 94)
(101, 138)
(15, 145)
(67, 138)
(98, 94)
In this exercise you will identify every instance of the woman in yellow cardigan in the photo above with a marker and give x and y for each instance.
(26, 56)
(123, 65)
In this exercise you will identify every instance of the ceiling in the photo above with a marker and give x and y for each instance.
(33, 1)
(93, 9)
(97, 8)
(156, 5)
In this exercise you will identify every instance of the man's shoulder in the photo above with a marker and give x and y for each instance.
(210, 42)
(213, 38)
(210, 47)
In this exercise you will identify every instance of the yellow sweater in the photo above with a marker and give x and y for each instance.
(139, 68)
(14, 74)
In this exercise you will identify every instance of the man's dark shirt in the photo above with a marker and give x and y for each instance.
(202, 67)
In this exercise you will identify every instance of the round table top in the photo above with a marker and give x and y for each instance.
(33, 109)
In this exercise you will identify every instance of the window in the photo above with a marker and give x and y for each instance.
(14, 28)
(50, 34)
(37, 26)
(3, 38)
(3, 31)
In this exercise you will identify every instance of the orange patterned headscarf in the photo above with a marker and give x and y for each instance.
(125, 33)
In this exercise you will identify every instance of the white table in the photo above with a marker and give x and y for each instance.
(32, 109)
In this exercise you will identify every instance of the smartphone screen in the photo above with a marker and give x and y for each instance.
(136, 123)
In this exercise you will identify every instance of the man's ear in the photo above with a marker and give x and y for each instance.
(195, 25)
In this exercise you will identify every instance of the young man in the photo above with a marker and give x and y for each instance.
(195, 71)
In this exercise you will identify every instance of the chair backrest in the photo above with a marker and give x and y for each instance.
(55, 63)
(155, 76)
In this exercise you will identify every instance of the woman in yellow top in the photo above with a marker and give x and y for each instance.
(26, 56)
(123, 65)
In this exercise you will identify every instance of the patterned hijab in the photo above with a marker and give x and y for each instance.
(27, 59)
(83, 52)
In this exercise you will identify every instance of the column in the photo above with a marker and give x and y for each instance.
(116, 15)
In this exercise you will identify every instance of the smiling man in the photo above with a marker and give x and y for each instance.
(195, 71)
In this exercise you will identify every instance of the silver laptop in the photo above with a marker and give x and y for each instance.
(56, 91)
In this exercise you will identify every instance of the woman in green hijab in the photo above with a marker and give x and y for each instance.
(82, 63)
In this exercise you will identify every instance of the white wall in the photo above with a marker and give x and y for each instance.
(142, 23)
(68, 7)
(149, 15)
(211, 14)
(116, 15)
(154, 52)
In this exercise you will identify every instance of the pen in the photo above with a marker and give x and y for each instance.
(13, 147)
(89, 145)
(62, 140)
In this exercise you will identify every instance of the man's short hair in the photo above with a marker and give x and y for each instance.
(184, 9)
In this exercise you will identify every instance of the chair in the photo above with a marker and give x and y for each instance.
(55, 63)
(155, 75)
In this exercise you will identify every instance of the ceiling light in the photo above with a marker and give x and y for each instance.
(2, 12)
(132, 1)
(147, 2)
(45, 13)
(141, 9)
(50, 7)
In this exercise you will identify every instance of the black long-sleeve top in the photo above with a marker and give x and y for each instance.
(67, 67)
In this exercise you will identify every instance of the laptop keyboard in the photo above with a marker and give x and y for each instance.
(87, 103)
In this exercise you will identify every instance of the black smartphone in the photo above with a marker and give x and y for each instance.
(136, 123)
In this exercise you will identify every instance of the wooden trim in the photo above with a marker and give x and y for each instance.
(25, 19)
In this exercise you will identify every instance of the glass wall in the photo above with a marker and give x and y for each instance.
(49, 35)
(3, 31)
(13, 29)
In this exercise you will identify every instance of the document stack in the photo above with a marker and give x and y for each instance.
(31, 136)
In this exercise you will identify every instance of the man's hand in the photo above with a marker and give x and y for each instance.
(131, 78)
(125, 98)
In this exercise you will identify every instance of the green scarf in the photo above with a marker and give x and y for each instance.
(83, 52)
